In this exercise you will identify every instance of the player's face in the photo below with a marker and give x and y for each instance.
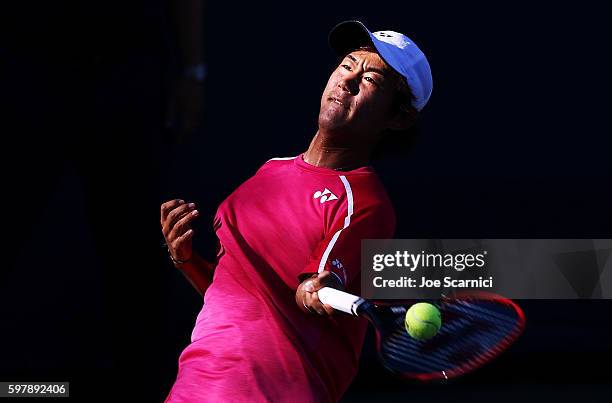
(356, 102)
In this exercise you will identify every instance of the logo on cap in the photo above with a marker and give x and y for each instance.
(392, 38)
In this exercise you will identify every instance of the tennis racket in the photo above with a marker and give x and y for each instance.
(476, 328)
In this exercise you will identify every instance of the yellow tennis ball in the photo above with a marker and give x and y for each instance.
(423, 321)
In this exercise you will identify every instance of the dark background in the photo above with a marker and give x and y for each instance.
(513, 143)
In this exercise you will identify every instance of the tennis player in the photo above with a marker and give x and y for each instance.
(292, 228)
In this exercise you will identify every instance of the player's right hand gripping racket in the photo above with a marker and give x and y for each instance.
(475, 329)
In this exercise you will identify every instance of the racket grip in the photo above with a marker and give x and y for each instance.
(340, 300)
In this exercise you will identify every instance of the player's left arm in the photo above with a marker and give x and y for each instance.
(336, 262)
(306, 294)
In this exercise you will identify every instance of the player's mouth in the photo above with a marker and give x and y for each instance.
(339, 102)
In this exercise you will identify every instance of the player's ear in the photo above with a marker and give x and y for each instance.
(403, 119)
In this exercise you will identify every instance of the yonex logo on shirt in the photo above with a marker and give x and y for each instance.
(338, 265)
(326, 195)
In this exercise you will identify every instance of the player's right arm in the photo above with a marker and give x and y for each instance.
(176, 218)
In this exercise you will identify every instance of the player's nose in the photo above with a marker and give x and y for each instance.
(349, 83)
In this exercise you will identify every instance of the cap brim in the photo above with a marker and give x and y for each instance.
(351, 35)
(348, 36)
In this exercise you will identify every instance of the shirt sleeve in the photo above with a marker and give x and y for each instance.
(340, 251)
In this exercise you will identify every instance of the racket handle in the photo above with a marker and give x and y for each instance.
(340, 300)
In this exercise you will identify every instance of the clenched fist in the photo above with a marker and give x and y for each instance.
(306, 295)
(176, 218)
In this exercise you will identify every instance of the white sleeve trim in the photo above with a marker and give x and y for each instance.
(347, 221)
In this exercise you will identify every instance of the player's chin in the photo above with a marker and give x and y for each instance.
(333, 121)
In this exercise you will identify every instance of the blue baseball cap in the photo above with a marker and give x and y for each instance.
(396, 49)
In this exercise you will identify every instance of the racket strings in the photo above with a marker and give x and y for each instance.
(473, 333)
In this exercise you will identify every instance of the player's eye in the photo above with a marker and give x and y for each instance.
(370, 80)
(346, 66)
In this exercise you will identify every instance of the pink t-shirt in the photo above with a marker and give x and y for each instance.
(251, 342)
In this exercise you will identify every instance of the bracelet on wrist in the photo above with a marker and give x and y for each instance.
(173, 259)
(179, 261)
